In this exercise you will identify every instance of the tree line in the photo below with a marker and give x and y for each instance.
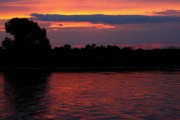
(30, 47)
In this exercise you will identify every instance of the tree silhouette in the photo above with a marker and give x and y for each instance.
(28, 36)
(7, 43)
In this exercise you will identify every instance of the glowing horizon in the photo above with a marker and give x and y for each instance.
(19, 8)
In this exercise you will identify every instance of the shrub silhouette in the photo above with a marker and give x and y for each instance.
(28, 36)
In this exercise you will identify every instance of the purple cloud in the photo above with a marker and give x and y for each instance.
(106, 19)
(168, 13)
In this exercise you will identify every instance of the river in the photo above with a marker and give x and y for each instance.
(138, 95)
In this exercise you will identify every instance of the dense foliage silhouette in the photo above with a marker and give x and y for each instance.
(30, 47)
(28, 36)
(113, 56)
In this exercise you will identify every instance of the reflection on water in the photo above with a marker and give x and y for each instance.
(90, 96)
(23, 92)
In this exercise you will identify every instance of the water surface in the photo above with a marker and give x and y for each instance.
(90, 96)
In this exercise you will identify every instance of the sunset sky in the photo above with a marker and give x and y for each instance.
(139, 23)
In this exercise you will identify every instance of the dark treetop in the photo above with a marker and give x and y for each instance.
(27, 35)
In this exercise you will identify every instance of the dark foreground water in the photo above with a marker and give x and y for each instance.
(90, 96)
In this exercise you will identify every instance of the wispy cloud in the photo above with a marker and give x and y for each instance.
(6, 1)
(56, 25)
(19, 1)
(106, 19)
(168, 13)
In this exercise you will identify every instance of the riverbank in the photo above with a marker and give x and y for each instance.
(86, 69)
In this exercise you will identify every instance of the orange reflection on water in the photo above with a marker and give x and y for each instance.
(90, 96)
(107, 95)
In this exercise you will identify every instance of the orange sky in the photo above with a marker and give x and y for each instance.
(18, 8)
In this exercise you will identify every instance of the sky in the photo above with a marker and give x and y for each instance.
(137, 23)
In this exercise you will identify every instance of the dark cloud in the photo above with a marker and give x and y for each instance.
(6, 1)
(17, 2)
(168, 13)
(107, 19)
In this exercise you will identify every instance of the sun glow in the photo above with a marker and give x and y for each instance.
(57, 25)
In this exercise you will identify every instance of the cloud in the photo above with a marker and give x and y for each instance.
(5, 1)
(168, 13)
(106, 19)
(17, 1)
(56, 25)
(8, 1)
